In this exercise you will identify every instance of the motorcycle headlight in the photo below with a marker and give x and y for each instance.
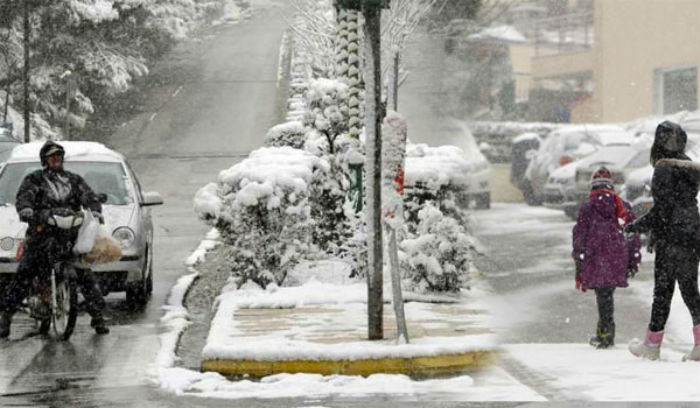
(7, 243)
(125, 236)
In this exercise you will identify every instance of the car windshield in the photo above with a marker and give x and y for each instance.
(103, 177)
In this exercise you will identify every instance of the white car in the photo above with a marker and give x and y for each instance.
(434, 168)
(126, 213)
(563, 146)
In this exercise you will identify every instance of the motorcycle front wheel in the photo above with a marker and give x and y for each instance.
(64, 316)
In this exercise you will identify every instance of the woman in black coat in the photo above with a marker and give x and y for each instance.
(674, 227)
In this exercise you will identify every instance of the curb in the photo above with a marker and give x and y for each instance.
(421, 365)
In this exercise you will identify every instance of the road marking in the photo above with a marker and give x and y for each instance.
(153, 117)
(177, 91)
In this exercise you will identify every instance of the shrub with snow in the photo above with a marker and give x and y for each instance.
(292, 134)
(326, 119)
(262, 208)
(438, 256)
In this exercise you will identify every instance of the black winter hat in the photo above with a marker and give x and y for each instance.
(49, 148)
(671, 137)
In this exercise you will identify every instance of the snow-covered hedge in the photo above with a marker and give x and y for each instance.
(292, 134)
(438, 256)
(262, 208)
(498, 136)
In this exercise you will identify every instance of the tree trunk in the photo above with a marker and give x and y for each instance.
(27, 119)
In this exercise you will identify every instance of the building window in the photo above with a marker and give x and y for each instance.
(675, 90)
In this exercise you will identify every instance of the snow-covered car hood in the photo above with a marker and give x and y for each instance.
(435, 166)
(564, 174)
(640, 177)
(115, 216)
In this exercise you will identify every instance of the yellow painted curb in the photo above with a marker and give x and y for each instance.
(425, 365)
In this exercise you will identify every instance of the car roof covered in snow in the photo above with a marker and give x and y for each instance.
(526, 136)
(75, 151)
(615, 156)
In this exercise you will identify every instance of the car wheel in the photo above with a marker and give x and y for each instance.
(483, 201)
(571, 212)
(149, 277)
(529, 194)
(139, 292)
(136, 296)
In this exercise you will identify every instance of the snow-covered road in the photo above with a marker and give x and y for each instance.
(545, 324)
(211, 100)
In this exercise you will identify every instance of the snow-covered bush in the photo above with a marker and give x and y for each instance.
(326, 119)
(438, 256)
(262, 209)
(327, 112)
(292, 134)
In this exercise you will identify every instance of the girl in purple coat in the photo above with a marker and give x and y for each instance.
(604, 258)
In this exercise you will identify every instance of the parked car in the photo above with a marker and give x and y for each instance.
(637, 188)
(560, 188)
(620, 160)
(458, 163)
(7, 143)
(126, 213)
(523, 149)
(477, 189)
(563, 146)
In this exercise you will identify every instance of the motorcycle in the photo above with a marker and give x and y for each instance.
(53, 299)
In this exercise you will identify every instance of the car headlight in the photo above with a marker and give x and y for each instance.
(125, 236)
(7, 243)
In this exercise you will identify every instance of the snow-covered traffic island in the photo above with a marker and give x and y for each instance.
(293, 307)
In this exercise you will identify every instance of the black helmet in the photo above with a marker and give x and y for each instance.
(49, 148)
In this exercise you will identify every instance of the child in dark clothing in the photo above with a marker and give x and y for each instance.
(604, 258)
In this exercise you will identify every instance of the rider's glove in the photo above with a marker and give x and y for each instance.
(26, 214)
(98, 216)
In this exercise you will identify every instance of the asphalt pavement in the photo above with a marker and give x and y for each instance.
(218, 101)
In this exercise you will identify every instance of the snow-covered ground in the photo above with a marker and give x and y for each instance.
(574, 370)
(581, 372)
(332, 284)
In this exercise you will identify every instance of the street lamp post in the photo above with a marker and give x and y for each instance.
(372, 12)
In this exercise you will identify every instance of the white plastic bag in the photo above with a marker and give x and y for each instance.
(105, 250)
(86, 234)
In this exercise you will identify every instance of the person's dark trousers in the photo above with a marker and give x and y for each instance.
(674, 264)
(32, 263)
(94, 302)
(606, 310)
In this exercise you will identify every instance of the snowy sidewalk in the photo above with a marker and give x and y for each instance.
(321, 327)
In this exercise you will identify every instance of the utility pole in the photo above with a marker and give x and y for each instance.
(27, 119)
(372, 12)
(373, 129)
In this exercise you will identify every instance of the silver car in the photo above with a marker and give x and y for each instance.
(7, 143)
(126, 213)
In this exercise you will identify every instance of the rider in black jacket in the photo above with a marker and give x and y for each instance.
(40, 192)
